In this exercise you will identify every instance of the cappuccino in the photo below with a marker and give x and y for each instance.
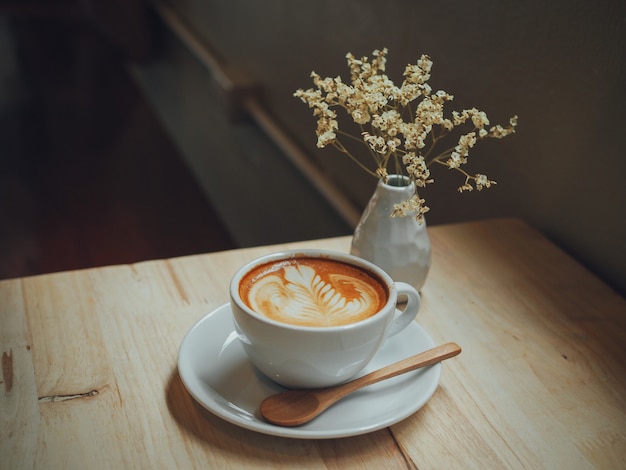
(315, 292)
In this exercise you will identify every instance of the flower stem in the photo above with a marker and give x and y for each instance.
(342, 149)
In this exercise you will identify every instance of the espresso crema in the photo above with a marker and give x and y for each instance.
(313, 292)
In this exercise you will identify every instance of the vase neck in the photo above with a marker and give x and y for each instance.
(398, 181)
(393, 194)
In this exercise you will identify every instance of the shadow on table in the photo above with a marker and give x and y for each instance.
(213, 432)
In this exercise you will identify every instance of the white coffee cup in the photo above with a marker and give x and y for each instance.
(299, 356)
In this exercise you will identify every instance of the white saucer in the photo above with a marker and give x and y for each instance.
(217, 373)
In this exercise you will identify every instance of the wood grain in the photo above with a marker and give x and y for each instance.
(541, 383)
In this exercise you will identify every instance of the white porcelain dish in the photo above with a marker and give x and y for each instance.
(217, 373)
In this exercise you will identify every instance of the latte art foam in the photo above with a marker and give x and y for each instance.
(313, 292)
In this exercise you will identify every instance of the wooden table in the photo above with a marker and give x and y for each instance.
(89, 366)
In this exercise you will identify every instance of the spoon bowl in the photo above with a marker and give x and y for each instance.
(297, 407)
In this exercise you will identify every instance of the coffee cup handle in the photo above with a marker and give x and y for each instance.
(403, 318)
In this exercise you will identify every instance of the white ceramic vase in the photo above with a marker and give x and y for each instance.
(399, 245)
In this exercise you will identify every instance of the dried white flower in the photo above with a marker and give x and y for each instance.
(404, 123)
(414, 206)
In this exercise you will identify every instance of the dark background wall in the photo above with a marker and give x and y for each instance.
(559, 65)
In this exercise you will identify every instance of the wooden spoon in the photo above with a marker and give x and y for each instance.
(296, 407)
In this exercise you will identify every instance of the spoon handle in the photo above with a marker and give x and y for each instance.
(423, 359)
